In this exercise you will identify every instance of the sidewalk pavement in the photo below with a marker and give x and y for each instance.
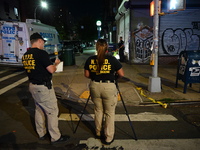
(72, 84)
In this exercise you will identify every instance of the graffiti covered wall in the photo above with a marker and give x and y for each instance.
(179, 32)
(143, 39)
(142, 34)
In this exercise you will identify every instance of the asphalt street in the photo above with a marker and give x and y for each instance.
(175, 127)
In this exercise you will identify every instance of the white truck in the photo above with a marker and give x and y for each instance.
(15, 40)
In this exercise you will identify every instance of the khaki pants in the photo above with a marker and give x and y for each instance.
(104, 96)
(46, 106)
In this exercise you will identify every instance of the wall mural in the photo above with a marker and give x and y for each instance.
(143, 41)
(175, 41)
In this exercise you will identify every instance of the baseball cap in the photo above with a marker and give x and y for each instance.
(35, 36)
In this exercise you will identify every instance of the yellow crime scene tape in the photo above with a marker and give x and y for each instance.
(164, 105)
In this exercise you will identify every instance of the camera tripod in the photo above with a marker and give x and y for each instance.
(124, 108)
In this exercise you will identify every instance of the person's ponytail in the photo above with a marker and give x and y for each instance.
(101, 47)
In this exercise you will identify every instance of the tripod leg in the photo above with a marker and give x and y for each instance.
(82, 114)
(127, 113)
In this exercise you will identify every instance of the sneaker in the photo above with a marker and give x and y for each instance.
(108, 143)
(44, 137)
(62, 139)
(99, 135)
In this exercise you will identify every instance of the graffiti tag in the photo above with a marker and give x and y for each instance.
(175, 41)
(143, 42)
(196, 25)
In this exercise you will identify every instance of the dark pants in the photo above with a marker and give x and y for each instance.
(121, 55)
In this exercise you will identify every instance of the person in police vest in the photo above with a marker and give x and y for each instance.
(39, 69)
(101, 69)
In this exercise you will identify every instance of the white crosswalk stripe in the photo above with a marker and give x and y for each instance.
(3, 71)
(9, 76)
(146, 116)
(5, 89)
(150, 144)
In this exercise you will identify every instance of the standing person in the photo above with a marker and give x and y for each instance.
(121, 49)
(101, 69)
(39, 69)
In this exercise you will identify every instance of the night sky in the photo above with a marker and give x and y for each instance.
(80, 8)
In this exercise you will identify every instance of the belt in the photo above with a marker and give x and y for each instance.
(48, 84)
(104, 81)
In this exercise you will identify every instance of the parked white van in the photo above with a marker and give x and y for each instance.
(15, 40)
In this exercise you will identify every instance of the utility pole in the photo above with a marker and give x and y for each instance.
(154, 80)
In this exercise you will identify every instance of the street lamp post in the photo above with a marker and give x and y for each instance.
(43, 5)
(98, 23)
